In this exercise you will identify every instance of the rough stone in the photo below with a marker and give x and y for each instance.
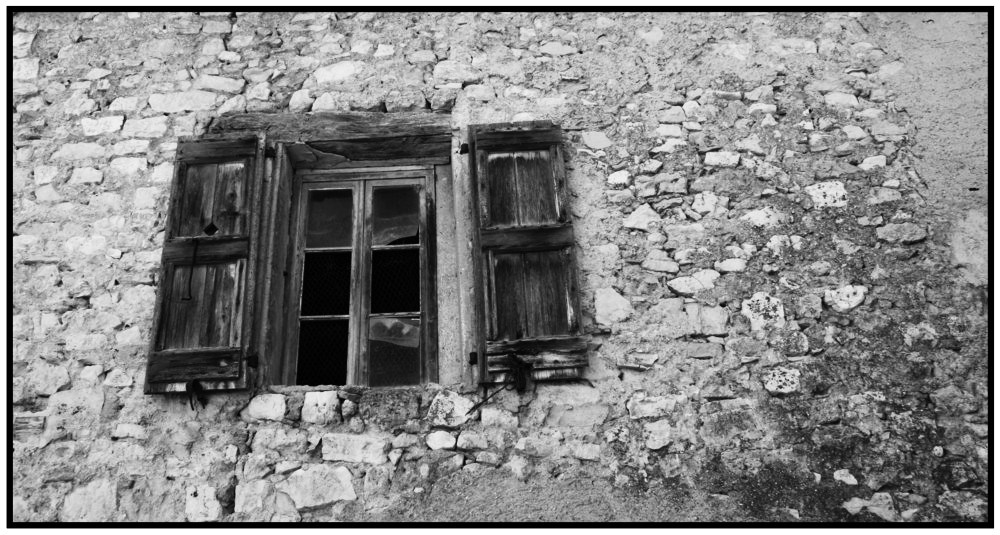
(145, 128)
(658, 434)
(86, 175)
(781, 380)
(905, 233)
(267, 407)
(763, 310)
(102, 125)
(641, 218)
(698, 281)
(337, 73)
(596, 140)
(25, 69)
(828, 194)
(354, 448)
(440, 440)
(219, 83)
(730, 265)
(453, 71)
(449, 409)
(844, 476)
(642, 406)
(841, 100)
(79, 151)
(316, 485)
(722, 159)
(182, 101)
(320, 407)
(610, 306)
(94, 502)
(766, 217)
(618, 178)
(968, 246)
(554, 48)
(659, 260)
(845, 298)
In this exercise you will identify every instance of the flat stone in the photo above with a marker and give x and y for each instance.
(883, 195)
(722, 159)
(792, 45)
(643, 406)
(844, 476)
(730, 265)
(253, 497)
(127, 168)
(320, 407)
(46, 379)
(102, 125)
(585, 451)
(872, 162)
(146, 198)
(21, 45)
(201, 505)
(684, 235)
(182, 101)
(145, 128)
(707, 320)
(618, 178)
(706, 202)
(316, 485)
(219, 83)
(672, 115)
(854, 133)
(659, 260)
(86, 175)
(554, 48)
(453, 71)
(781, 380)
(837, 99)
(577, 415)
(904, 233)
(354, 448)
(124, 104)
(440, 440)
(471, 440)
(762, 108)
(763, 310)
(497, 417)
(641, 218)
(384, 50)
(650, 166)
(25, 69)
(337, 72)
(610, 307)
(596, 140)
(267, 407)
(696, 282)
(828, 194)
(845, 298)
(669, 146)
(969, 246)
(300, 101)
(764, 217)
(886, 131)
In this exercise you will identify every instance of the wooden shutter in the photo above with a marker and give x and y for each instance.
(202, 325)
(529, 286)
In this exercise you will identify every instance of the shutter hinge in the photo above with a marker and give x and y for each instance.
(253, 360)
(464, 149)
(473, 357)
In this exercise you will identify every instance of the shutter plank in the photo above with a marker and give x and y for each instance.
(536, 196)
(180, 365)
(527, 239)
(501, 187)
(527, 346)
(545, 292)
(508, 296)
(211, 295)
(227, 208)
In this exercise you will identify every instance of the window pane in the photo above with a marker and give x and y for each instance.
(394, 351)
(322, 352)
(326, 284)
(395, 216)
(395, 284)
(329, 218)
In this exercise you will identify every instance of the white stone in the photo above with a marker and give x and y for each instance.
(102, 125)
(470, 440)
(845, 298)
(698, 281)
(182, 101)
(354, 448)
(47, 193)
(653, 36)
(94, 502)
(841, 100)
(124, 104)
(253, 496)
(145, 128)
(300, 101)
(659, 260)
(449, 409)
(87, 246)
(454, 71)
(751, 144)
(764, 217)
(828, 194)
(782, 380)
(705, 202)
(760, 107)
(618, 178)
(315, 485)
(384, 50)
(236, 104)
(730, 265)
(201, 505)
(440, 440)
(126, 430)
(642, 406)
(596, 140)
(669, 130)
(844, 476)
(554, 48)
(641, 218)
(219, 83)
(46, 379)
(118, 378)
(45, 174)
(763, 310)
(672, 115)
(585, 451)
(163, 172)
(267, 407)
(722, 159)
(872, 162)
(260, 91)
(854, 133)
(610, 307)
(320, 407)
(658, 434)
(21, 45)
(792, 45)
(86, 175)
(125, 167)
(130, 146)
(497, 417)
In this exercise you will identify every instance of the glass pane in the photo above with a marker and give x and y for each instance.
(395, 281)
(330, 220)
(394, 351)
(326, 284)
(322, 352)
(395, 216)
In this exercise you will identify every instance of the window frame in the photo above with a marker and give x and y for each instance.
(362, 181)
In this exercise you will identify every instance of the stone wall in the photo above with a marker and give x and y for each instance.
(770, 307)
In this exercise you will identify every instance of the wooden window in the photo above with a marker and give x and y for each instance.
(363, 278)
(529, 306)
(301, 262)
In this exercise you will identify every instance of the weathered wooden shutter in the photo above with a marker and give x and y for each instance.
(530, 304)
(202, 325)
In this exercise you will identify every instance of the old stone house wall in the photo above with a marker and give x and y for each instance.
(763, 294)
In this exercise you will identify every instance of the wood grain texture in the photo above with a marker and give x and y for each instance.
(195, 364)
(334, 126)
(527, 239)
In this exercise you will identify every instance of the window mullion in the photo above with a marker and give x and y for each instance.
(360, 275)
